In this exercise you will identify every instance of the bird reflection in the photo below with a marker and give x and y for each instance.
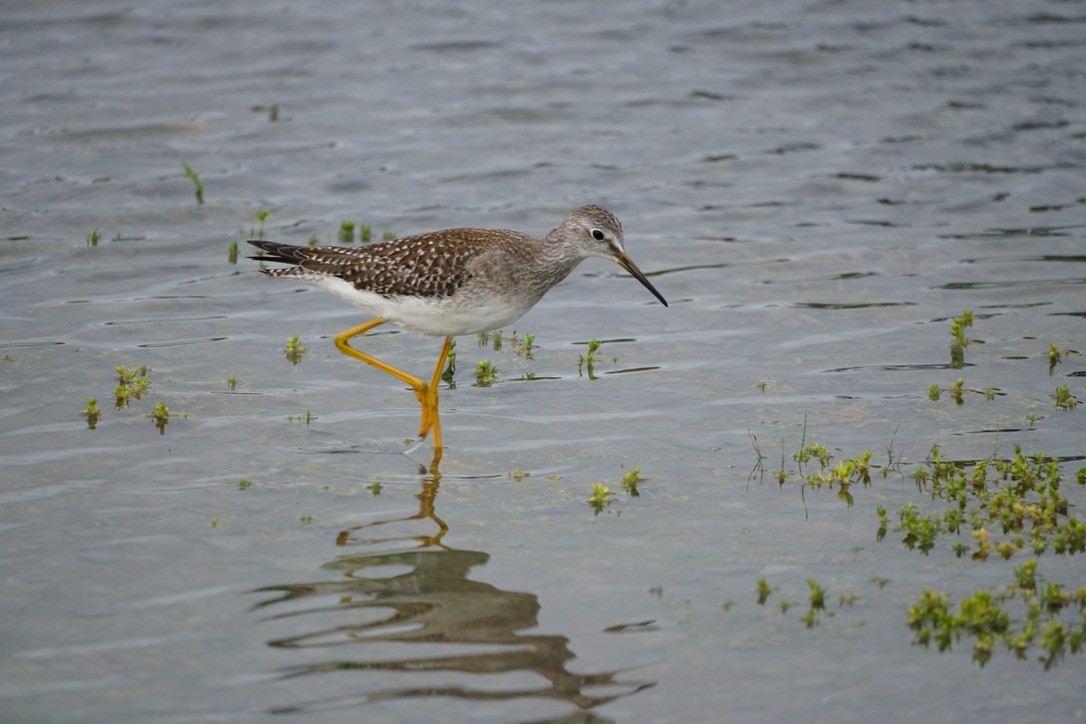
(405, 606)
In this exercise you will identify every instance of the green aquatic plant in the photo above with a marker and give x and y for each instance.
(1008, 505)
(817, 593)
(92, 413)
(1063, 398)
(232, 253)
(1020, 615)
(588, 360)
(294, 350)
(92, 237)
(261, 217)
(130, 383)
(195, 181)
(956, 390)
(1055, 356)
(601, 497)
(365, 233)
(485, 373)
(496, 336)
(388, 236)
(526, 344)
(346, 232)
(764, 590)
(307, 418)
(244, 484)
(630, 481)
(374, 487)
(958, 326)
(161, 416)
(232, 384)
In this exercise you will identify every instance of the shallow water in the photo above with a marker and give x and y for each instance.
(817, 188)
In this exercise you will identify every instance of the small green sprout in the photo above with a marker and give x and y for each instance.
(1055, 356)
(588, 360)
(601, 497)
(374, 487)
(485, 373)
(934, 393)
(305, 518)
(764, 591)
(365, 233)
(196, 182)
(957, 330)
(1064, 399)
(519, 475)
(497, 339)
(121, 394)
(630, 481)
(346, 232)
(956, 390)
(232, 253)
(388, 236)
(244, 484)
(232, 383)
(92, 237)
(314, 240)
(92, 413)
(161, 416)
(294, 350)
(818, 594)
(261, 217)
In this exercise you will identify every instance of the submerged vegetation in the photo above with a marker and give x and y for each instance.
(588, 359)
(294, 350)
(996, 509)
(485, 373)
(958, 326)
(195, 182)
(1024, 613)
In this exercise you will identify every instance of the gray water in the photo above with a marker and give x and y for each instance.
(817, 188)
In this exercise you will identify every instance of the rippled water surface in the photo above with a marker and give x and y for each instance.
(818, 188)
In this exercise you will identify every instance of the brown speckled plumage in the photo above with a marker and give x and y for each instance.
(427, 265)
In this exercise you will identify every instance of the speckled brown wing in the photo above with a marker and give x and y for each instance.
(427, 265)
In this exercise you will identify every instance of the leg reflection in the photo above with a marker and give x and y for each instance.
(405, 593)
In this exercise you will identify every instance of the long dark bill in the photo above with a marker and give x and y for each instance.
(626, 263)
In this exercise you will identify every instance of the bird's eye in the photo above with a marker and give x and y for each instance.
(597, 235)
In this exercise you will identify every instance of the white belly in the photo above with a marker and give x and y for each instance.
(438, 317)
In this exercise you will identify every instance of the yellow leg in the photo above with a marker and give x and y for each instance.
(435, 382)
(427, 398)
